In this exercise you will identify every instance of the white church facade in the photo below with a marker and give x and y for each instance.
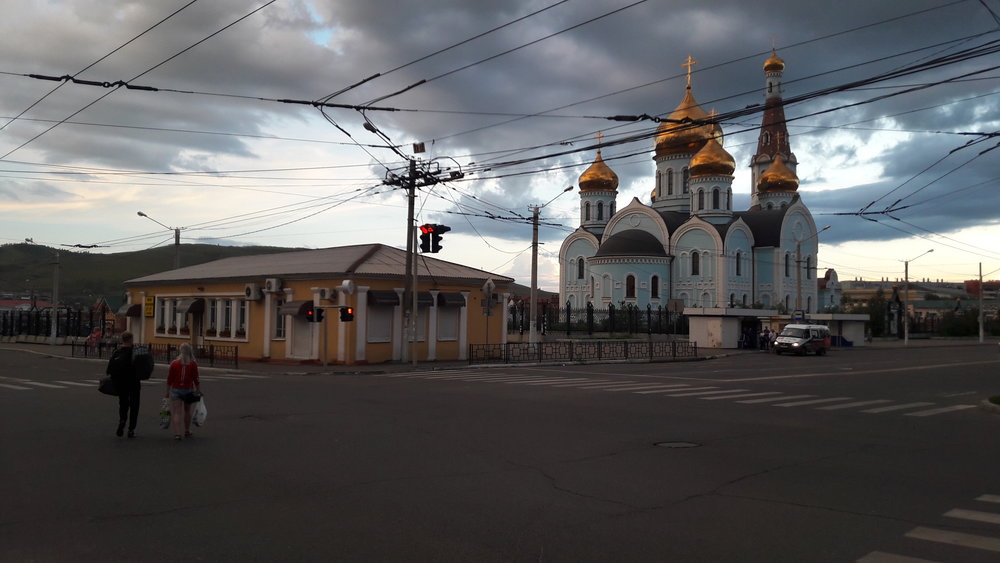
(688, 247)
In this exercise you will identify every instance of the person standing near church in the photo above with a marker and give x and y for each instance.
(182, 383)
(125, 376)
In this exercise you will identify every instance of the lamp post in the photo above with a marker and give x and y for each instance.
(798, 267)
(906, 298)
(533, 305)
(177, 238)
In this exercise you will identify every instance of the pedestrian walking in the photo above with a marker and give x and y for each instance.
(183, 386)
(125, 376)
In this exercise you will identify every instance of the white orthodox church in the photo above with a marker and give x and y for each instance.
(688, 247)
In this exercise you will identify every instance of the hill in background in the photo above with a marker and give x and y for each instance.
(85, 277)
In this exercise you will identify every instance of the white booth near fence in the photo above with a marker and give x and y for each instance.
(722, 327)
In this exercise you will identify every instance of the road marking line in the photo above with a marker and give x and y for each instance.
(564, 379)
(988, 498)
(740, 396)
(598, 385)
(586, 382)
(49, 385)
(77, 383)
(537, 381)
(772, 399)
(457, 375)
(638, 386)
(955, 538)
(672, 390)
(488, 379)
(978, 516)
(882, 557)
(932, 412)
(897, 407)
(706, 393)
(854, 404)
(867, 372)
(15, 387)
(812, 402)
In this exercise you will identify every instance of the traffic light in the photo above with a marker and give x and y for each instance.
(319, 315)
(311, 316)
(346, 314)
(436, 234)
(425, 238)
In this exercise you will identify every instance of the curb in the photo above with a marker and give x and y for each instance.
(992, 407)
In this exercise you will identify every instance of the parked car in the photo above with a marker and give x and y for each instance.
(802, 339)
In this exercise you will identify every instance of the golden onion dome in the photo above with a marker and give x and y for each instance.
(712, 160)
(652, 196)
(778, 178)
(598, 177)
(674, 138)
(774, 62)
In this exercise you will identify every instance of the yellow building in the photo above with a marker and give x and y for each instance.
(265, 304)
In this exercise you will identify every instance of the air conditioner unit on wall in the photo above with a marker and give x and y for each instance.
(252, 292)
(272, 285)
(327, 294)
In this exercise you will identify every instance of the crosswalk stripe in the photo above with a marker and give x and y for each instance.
(882, 557)
(685, 394)
(976, 515)
(955, 538)
(988, 498)
(508, 378)
(537, 381)
(897, 407)
(773, 399)
(588, 382)
(657, 391)
(15, 387)
(458, 375)
(40, 384)
(932, 412)
(739, 396)
(599, 385)
(77, 383)
(562, 380)
(649, 386)
(813, 402)
(854, 404)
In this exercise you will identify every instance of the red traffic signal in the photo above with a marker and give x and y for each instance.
(430, 237)
(346, 314)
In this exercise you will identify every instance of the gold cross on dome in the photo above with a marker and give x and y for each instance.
(600, 135)
(690, 62)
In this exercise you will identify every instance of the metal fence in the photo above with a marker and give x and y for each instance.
(39, 323)
(210, 356)
(622, 319)
(581, 351)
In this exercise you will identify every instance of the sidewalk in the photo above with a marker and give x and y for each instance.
(290, 368)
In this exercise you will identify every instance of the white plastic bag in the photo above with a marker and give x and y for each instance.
(165, 413)
(200, 412)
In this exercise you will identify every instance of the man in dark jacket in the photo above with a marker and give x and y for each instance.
(123, 373)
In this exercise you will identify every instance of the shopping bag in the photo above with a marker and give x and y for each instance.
(164, 413)
(107, 386)
(200, 413)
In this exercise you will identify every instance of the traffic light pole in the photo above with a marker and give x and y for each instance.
(410, 294)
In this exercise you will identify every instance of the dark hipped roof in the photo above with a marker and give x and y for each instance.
(765, 225)
(358, 261)
(631, 243)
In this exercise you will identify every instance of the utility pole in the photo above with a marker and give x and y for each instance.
(906, 299)
(981, 302)
(55, 301)
(409, 295)
(533, 306)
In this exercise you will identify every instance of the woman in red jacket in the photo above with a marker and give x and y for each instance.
(182, 382)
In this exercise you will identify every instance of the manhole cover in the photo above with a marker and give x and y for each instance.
(676, 444)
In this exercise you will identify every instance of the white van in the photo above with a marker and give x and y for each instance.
(802, 339)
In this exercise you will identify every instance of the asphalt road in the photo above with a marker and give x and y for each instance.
(862, 455)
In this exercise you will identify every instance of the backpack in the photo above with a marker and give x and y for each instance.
(142, 362)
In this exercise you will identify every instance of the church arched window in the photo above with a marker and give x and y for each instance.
(765, 137)
(770, 206)
(654, 287)
(729, 199)
(606, 287)
(670, 181)
(715, 198)
(586, 211)
(579, 268)
(788, 264)
(600, 210)
(686, 174)
(695, 264)
(611, 210)
(739, 263)
(809, 269)
(701, 199)
(630, 286)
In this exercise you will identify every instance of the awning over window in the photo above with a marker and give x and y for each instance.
(451, 300)
(383, 297)
(133, 310)
(296, 308)
(191, 306)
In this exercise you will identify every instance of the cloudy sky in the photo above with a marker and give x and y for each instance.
(892, 131)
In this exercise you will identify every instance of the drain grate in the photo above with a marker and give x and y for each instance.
(676, 444)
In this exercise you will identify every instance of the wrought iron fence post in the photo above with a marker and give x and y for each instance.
(590, 319)
(611, 318)
(569, 319)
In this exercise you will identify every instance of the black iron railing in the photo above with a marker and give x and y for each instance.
(581, 351)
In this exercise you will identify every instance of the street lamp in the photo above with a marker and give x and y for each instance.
(798, 267)
(906, 298)
(177, 238)
(533, 306)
